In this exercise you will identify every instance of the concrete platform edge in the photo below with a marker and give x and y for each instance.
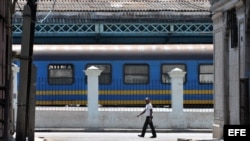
(119, 130)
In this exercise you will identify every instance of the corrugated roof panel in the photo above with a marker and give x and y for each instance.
(119, 5)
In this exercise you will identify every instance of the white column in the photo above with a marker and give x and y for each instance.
(93, 83)
(221, 74)
(177, 76)
(15, 70)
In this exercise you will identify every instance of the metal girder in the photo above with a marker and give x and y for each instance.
(124, 28)
(109, 31)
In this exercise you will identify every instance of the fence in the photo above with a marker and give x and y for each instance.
(118, 94)
(92, 116)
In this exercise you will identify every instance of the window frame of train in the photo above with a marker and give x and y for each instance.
(165, 78)
(133, 75)
(60, 74)
(105, 77)
(206, 73)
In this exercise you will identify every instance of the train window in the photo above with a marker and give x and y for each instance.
(60, 74)
(206, 73)
(136, 74)
(105, 77)
(165, 68)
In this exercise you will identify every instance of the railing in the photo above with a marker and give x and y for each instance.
(101, 28)
(77, 33)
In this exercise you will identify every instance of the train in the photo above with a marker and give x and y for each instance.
(129, 73)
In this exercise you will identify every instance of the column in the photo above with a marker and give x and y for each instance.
(177, 76)
(92, 73)
(15, 70)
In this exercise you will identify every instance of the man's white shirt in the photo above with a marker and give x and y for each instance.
(148, 107)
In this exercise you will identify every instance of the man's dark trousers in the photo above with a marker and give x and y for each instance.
(149, 122)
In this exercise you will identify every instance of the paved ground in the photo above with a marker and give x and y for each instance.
(123, 136)
(60, 134)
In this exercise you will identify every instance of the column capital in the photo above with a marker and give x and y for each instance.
(92, 70)
(176, 73)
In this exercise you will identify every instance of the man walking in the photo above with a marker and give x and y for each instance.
(149, 116)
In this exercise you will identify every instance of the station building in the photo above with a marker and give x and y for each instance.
(232, 63)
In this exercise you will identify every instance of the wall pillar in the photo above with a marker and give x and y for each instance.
(177, 76)
(15, 70)
(92, 86)
(221, 74)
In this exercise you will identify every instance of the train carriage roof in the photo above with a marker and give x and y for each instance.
(102, 52)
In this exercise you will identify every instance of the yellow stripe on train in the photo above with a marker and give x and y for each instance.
(121, 102)
(134, 92)
(103, 92)
(198, 102)
(198, 92)
(57, 102)
(60, 92)
(123, 92)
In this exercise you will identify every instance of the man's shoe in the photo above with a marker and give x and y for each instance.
(153, 137)
(140, 136)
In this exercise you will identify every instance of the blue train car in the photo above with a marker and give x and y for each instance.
(129, 73)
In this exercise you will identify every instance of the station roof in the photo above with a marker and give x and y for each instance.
(120, 5)
(119, 21)
(121, 9)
